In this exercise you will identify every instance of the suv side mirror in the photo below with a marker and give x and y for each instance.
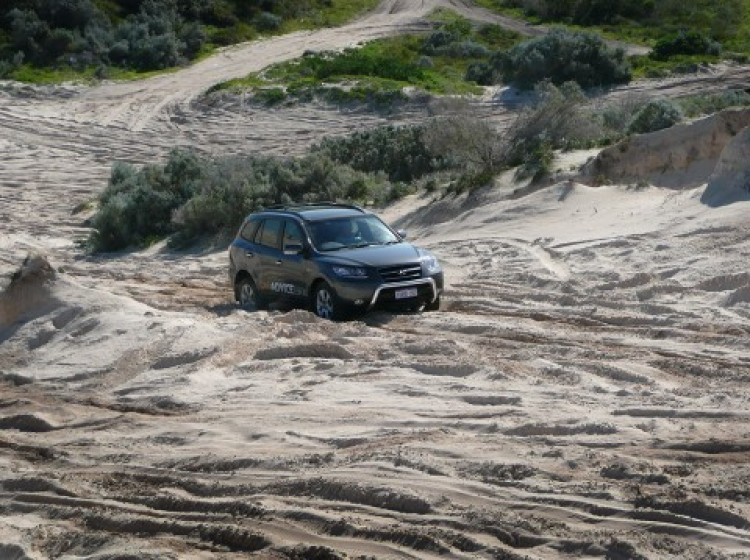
(293, 249)
(401, 233)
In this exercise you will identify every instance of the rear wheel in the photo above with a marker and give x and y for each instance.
(248, 295)
(326, 304)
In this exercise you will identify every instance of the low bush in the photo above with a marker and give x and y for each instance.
(655, 115)
(685, 43)
(192, 195)
(563, 56)
(556, 121)
(399, 152)
(267, 21)
(271, 96)
(536, 162)
(136, 206)
(470, 181)
(467, 142)
(697, 105)
(454, 31)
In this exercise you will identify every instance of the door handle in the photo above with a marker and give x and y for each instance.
(249, 254)
(278, 262)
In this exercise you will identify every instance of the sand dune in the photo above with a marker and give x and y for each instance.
(583, 393)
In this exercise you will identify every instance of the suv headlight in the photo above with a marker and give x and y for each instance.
(349, 271)
(431, 264)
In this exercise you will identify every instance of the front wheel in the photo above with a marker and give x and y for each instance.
(434, 306)
(248, 295)
(326, 303)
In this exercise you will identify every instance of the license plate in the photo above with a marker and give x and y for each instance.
(406, 293)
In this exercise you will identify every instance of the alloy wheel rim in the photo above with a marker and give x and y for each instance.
(324, 304)
(247, 296)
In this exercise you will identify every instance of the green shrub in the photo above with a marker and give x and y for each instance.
(193, 195)
(685, 43)
(537, 161)
(138, 204)
(563, 56)
(466, 142)
(697, 105)
(656, 115)
(271, 96)
(470, 181)
(615, 116)
(399, 152)
(455, 31)
(234, 34)
(558, 120)
(267, 21)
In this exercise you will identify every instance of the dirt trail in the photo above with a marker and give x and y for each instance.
(584, 391)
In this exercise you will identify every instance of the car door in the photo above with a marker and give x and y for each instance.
(268, 253)
(290, 275)
(243, 250)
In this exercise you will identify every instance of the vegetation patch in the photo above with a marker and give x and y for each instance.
(438, 62)
(42, 40)
(655, 115)
(699, 105)
(453, 59)
(641, 21)
(401, 153)
(193, 195)
(563, 56)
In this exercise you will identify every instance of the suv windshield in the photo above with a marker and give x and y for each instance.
(358, 231)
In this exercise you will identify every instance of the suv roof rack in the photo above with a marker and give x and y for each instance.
(312, 205)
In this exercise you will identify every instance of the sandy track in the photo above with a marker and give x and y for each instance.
(584, 392)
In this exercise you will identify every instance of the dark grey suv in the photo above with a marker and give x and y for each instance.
(337, 260)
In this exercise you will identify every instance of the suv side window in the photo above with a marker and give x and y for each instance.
(268, 234)
(248, 230)
(292, 234)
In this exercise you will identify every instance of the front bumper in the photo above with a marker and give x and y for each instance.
(368, 295)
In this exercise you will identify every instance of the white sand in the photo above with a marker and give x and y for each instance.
(584, 392)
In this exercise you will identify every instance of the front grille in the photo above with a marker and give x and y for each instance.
(401, 273)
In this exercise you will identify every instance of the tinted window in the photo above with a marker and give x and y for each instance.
(330, 235)
(248, 230)
(268, 235)
(292, 234)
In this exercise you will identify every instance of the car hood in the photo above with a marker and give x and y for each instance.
(375, 255)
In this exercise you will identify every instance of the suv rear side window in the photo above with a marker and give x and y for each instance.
(249, 229)
(268, 233)
(292, 234)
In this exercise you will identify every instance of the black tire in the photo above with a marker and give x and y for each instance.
(248, 296)
(326, 304)
(434, 306)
